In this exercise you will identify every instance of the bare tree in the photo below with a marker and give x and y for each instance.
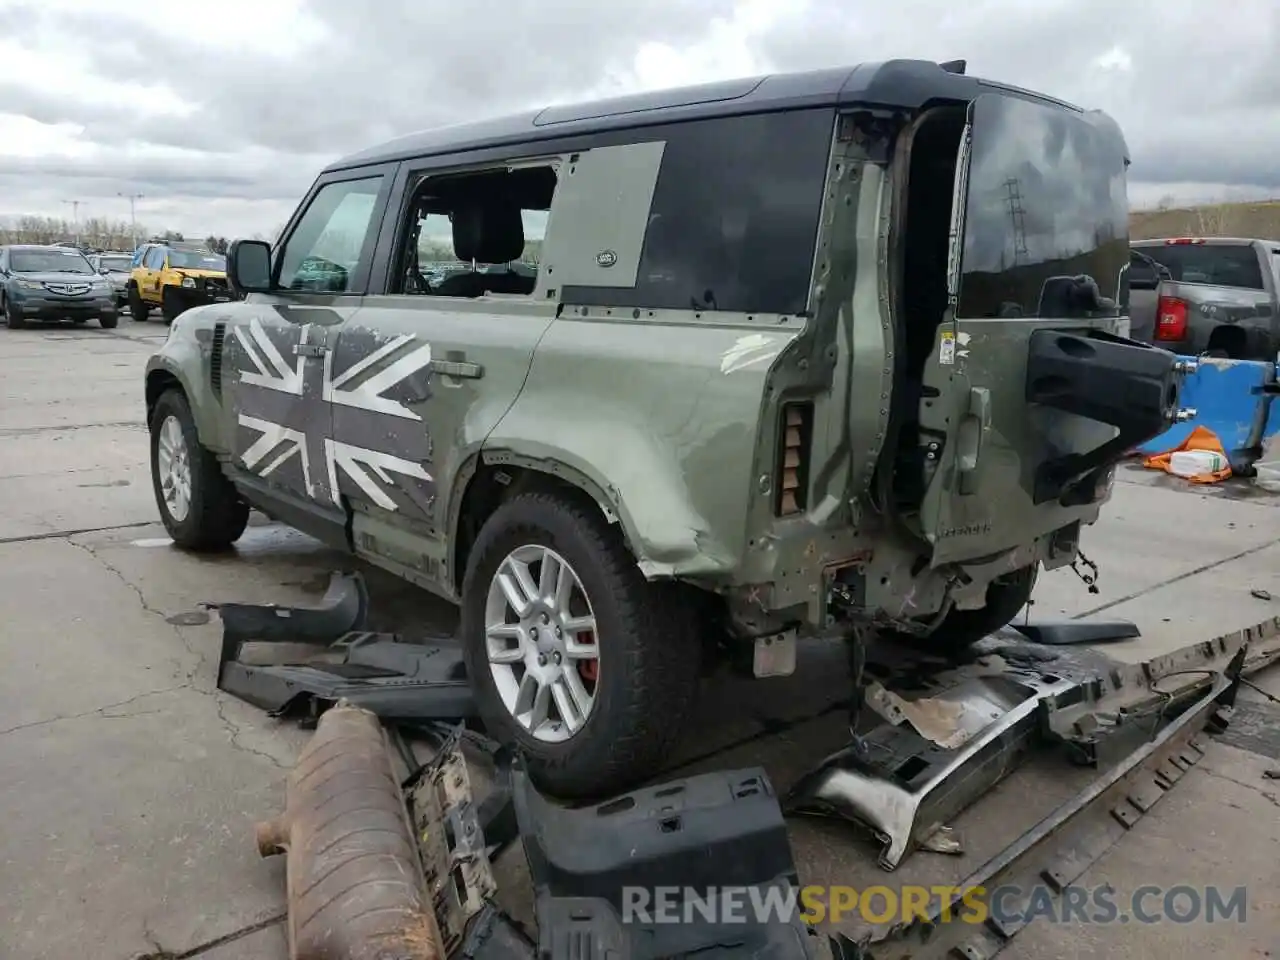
(96, 232)
(1211, 220)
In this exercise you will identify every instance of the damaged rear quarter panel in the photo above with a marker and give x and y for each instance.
(661, 413)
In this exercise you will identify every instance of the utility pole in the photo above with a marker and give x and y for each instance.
(75, 219)
(133, 221)
(1018, 219)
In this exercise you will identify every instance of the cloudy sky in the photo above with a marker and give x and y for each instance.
(220, 112)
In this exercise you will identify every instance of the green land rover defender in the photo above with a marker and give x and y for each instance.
(679, 376)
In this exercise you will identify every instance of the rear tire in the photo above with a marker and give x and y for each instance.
(642, 674)
(198, 505)
(960, 629)
(138, 308)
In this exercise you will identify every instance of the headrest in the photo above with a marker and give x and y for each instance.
(488, 231)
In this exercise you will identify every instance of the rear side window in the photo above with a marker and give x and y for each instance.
(1220, 264)
(734, 219)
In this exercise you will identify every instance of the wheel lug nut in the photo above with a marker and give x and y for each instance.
(542, 659)
(559, 632)
(557, 658)
(545, 618)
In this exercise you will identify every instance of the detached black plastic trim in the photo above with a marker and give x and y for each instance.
(707, 834)
(1130, 385)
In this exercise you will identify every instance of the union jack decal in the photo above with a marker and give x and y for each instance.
(315, 416)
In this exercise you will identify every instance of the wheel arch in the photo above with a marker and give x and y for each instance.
(487, 480)
(162, 375)
(1231, 339)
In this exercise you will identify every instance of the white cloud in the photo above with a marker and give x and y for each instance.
(222, 114)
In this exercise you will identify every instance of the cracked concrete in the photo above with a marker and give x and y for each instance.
(131, 785)
(102, 710)
(156, 784)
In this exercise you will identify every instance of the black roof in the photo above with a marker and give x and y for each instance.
(904, 84)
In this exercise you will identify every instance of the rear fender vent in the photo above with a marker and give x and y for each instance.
(792, 469)
(215, 358)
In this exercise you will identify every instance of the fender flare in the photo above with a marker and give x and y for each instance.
(163, 369)
(664, 546)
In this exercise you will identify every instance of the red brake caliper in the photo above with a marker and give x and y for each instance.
(589, 669)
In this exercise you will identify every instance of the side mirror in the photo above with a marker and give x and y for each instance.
(249, 267)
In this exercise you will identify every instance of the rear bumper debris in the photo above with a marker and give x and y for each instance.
(906, 785)
(320, 655)
(385, 866)
(1059, 849)
(595, 870)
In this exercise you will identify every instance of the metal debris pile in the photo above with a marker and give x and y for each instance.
(391, 857)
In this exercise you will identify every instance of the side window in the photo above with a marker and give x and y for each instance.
(475, 234)
(330, 240)
(154, 259)
(734, 220)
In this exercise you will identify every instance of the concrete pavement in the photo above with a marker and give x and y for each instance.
(129, 785)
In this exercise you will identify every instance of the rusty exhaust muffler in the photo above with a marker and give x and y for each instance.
(356, 889)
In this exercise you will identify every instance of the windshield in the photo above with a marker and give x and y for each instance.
(116, 264)
(196, 260)
(48, 261)
(1219, 264)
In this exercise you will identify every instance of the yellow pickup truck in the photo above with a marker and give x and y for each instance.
(174, 276)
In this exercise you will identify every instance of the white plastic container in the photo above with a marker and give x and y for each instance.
(1196, 463)
(1267, 476)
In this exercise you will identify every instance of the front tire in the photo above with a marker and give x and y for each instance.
(170, 308)
(574, 657)
(109, 322)
(198, 505)
(138, 308)
(12, 316)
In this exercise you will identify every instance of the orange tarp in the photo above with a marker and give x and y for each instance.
(1201, 438)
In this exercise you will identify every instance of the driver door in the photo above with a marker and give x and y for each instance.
(152, 267)
(276, 360)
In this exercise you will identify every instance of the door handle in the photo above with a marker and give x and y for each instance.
(973, 427)
(458, 367)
